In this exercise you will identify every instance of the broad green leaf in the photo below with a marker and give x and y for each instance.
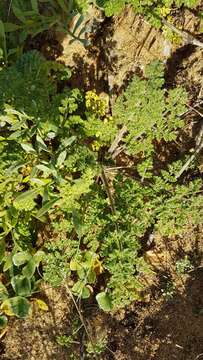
(51, 135)
(85, 293)
(9, 27)
(6, 308)
(21, 285)
(3, 321)
(74, 265)
(42, 182)
(2, 30)
(41, 143)
(13, 211)
(91, 277)
(7, 263)
(77, 287)
(35, 7)
(17, 305)
(77, 222)
(28, 148)
(61, 158)
(38, 257)
(21, 258)
(45, 169)
(104, 301)
(68, 141)
(18, 13)
(45, 208)
(81, 290)
(81, 272)
(29, 269)
(27, 195)
(3, 292)
(2, 249)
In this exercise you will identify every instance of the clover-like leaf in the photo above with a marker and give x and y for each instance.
(104, 301)
(21, 285)
(17, 305)
(21, 258)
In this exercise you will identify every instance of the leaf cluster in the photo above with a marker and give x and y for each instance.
(54, 164)
(24, 19)
(153, 10)
(19, 282)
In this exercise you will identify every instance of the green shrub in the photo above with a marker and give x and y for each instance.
(153, 10)
(20, 20)
(19, 276)
(149, 112)
(55, 162)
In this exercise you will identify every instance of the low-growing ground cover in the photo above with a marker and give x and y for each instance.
(98, 192)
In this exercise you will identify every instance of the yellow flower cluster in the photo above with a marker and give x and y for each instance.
(164, 10)
(95, 104)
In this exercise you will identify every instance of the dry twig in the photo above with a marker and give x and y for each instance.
(118, 138)
(105, 182)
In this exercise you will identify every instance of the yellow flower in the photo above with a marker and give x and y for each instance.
(94, 103)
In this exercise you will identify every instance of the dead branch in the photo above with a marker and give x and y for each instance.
(118, 138)
(105, 182)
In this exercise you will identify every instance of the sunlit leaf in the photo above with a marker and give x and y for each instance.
(46, 207)
(8, 263)
(21, 258)
(104, 301)
(81, 290)
(21, 285)
(41, 304)
(3, 292)
(41, 143)
(18, 306)
(38, 257)
(61, 158)
(29, 269)
(27, 195)
(28, 148)
(74, 265)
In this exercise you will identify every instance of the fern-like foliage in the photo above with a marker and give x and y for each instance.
(54, 170)
(150, 8)
(149, 112)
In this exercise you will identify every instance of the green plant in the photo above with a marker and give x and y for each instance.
(71, 340)
(55, 170)
(183, 265)
(97, 348)
(21, 20)
(169, 290)
(152, 10)
(65, 340)
(155, 112)
(19, 283)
